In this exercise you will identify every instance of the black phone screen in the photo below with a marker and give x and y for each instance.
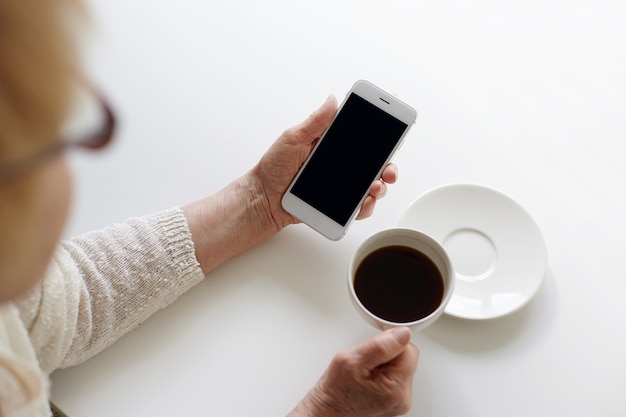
(348, 158)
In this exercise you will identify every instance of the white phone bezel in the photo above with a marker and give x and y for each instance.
(311, 216)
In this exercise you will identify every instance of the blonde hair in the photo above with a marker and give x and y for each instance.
(38, 62)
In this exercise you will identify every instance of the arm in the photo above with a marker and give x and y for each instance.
(103, 284)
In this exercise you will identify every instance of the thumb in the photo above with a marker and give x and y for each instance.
(384, 347)
(314, 126)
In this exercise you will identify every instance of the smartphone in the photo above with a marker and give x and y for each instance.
(330, 187)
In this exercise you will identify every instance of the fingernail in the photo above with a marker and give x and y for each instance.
(401, 334)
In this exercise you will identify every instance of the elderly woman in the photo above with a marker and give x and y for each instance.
(61, 303)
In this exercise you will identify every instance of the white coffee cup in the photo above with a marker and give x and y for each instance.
(408, 240)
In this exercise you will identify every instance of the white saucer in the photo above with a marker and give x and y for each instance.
(497, 250)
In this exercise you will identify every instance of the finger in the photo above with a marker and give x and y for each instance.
(401, 369)
(384, 347)
(378, 189)
(390, 174)
(314, 126)
(405, 364)
(367, 209)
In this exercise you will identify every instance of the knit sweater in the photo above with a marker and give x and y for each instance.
(98, 287)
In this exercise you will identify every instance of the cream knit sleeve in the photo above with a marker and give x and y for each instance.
(105, 283)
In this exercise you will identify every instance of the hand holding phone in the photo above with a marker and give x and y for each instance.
(333, 182)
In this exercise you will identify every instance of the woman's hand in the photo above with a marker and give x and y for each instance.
(280, 164)
(373, 379)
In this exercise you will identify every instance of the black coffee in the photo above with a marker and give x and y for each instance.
(398, 284)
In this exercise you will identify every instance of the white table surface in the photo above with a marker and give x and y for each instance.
(526, 97)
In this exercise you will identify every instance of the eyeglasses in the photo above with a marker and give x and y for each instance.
(82, 132)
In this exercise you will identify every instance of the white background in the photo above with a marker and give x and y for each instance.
(526, 97)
